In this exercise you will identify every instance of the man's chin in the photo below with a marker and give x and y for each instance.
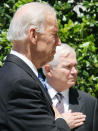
(73, 83)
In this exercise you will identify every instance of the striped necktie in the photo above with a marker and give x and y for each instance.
(60, 105)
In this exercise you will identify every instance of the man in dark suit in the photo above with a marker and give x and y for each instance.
(61, 75)
(24, 103)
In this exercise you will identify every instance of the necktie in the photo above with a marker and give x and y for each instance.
(42, 81)
(60, 105)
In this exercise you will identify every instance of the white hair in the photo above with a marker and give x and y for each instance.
(29, 15)
(65, 50)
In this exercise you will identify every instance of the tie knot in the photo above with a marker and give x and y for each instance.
(59, 96)
(60, 105)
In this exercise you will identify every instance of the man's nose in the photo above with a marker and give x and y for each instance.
(74, 70)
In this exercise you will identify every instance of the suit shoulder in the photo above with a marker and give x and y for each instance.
(86, 95)
(83, 95)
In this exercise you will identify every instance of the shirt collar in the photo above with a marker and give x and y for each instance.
(52, 92)
(26, 60)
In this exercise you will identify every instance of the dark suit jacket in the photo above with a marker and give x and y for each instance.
(82, 102)
(24, 103)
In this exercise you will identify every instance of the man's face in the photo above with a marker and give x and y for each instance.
(48, 40)
(64, 75)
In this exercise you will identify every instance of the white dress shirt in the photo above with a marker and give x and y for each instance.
(26, 60)
(52, 92)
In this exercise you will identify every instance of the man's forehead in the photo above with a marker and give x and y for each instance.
(67, 59)
(67, 55)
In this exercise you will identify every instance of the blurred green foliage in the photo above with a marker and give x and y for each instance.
(78, 27)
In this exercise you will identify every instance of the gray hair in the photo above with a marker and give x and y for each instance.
(29, 15)
(65, 50)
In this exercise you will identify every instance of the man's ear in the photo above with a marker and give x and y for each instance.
(47, 68)
(32, 35)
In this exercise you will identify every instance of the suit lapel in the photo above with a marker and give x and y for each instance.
(14, 59)
(74, 100)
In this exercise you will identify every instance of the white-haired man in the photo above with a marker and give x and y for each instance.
(61, 75)
(24, 103)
